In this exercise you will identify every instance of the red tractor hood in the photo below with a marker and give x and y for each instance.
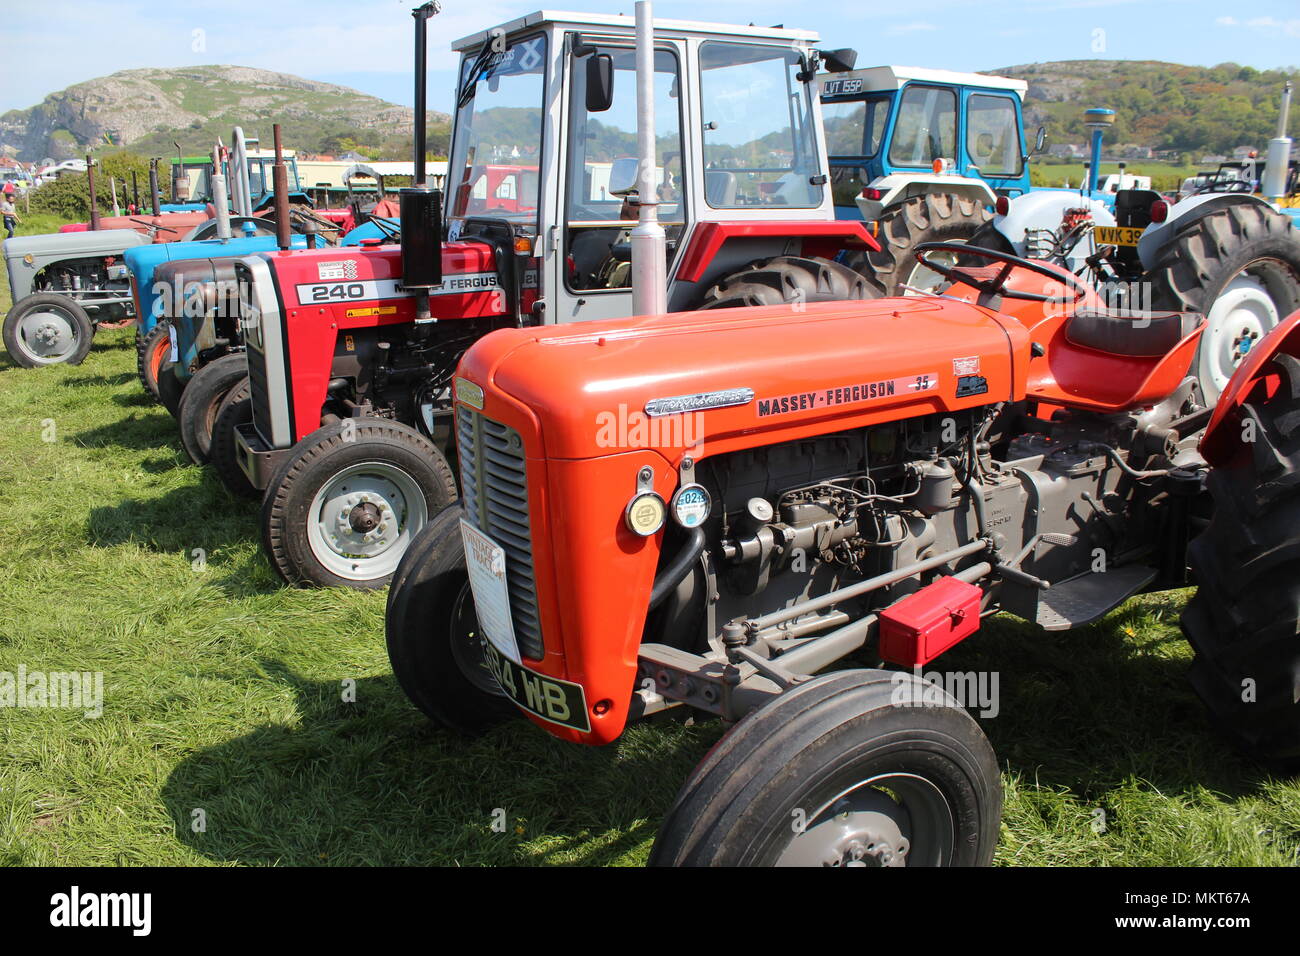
(739, 378)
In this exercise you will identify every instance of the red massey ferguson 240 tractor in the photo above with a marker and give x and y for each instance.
(351, 352)
(711, 512)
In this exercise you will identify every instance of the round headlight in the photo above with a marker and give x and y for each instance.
(691, 505)
(645, 513)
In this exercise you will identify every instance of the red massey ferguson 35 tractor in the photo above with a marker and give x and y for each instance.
(788, 488)
(351, 352)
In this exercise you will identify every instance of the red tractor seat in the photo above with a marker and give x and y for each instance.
(1145, 335)
(1112, 361)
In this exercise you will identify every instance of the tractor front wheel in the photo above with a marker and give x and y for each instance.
(45, 329)
(151, 352)
(1244, 621)
(789, 279)
(235, 409)
(343, 508)
(201, 399)
(433, 636)
(855, 768)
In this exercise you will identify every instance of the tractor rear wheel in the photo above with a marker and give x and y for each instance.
(789, 279)
(235, 409)
(432, 632)
(347, 502)
(201, 399)
(840, 771)
(46, 329)
(151, 351)
(1244, 621)
(934, 217)
(1240, 268)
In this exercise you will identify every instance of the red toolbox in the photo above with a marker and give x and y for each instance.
(920, 627)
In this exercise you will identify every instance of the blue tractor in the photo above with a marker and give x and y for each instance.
(923, 155)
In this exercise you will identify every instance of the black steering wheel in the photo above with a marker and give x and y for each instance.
(997, 284)
(151, 226)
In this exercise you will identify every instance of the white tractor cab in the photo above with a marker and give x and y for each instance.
(544, 161)
(923, 154)
(1224, 253)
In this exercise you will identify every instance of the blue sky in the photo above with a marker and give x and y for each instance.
(367, 43)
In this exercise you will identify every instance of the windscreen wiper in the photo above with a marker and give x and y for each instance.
(485, 60)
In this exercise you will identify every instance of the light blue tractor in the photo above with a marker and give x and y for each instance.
(924, 155)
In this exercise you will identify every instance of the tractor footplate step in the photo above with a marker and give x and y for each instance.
(1083, 599)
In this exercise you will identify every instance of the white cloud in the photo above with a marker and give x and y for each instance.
(1226, 21)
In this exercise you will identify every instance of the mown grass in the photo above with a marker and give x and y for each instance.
(270, 716)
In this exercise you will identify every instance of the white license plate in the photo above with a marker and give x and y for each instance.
(486, 562)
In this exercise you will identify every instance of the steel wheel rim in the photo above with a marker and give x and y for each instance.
(47, 336)
(467, 643)
(371, 490)
(890, 819)
(1242, 314)
(923, 280)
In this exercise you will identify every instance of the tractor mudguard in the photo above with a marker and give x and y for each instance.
(603, 415)
(1223, 437)
(1044, 209)
(823, 239)
(1183, 214)
(899, 187)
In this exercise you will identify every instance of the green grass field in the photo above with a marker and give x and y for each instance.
(230, 735)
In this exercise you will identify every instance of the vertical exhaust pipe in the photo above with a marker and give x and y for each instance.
(135, 192)
(219, 198)
(280, 183)
(155, 194)
(1278, 157)
(421, 204)
(649, 243)
(94, 206)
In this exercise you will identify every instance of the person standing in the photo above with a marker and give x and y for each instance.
(9, 213)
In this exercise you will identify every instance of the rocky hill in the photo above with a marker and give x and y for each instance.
(146, 110)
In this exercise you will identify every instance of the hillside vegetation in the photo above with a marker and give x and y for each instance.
(1161, 105)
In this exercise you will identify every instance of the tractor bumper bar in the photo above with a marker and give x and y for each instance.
(257, 460)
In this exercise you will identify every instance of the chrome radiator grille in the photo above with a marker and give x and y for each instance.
(494, 494)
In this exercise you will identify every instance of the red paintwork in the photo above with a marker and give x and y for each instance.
(1075, 376)
(823, 239)
(467, 205)
(920, 627)
(312, 330)
(180, 222)
(560, 386)
(1252, 381)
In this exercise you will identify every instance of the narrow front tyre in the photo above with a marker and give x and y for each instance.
(347, 502)
(855, 768)
(45, 329)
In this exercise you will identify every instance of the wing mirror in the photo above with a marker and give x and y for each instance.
(839, 61)
(600, 83)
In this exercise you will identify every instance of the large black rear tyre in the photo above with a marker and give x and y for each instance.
(1239, 266)
(348, 501)
(433, 635)
(789, 279)
(1244, 621)
(934, 217)
(841, 771)
(201, 399)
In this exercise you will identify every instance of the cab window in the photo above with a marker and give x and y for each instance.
(993, 136)
(855, 127)
(926, 128)
(601, 208)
